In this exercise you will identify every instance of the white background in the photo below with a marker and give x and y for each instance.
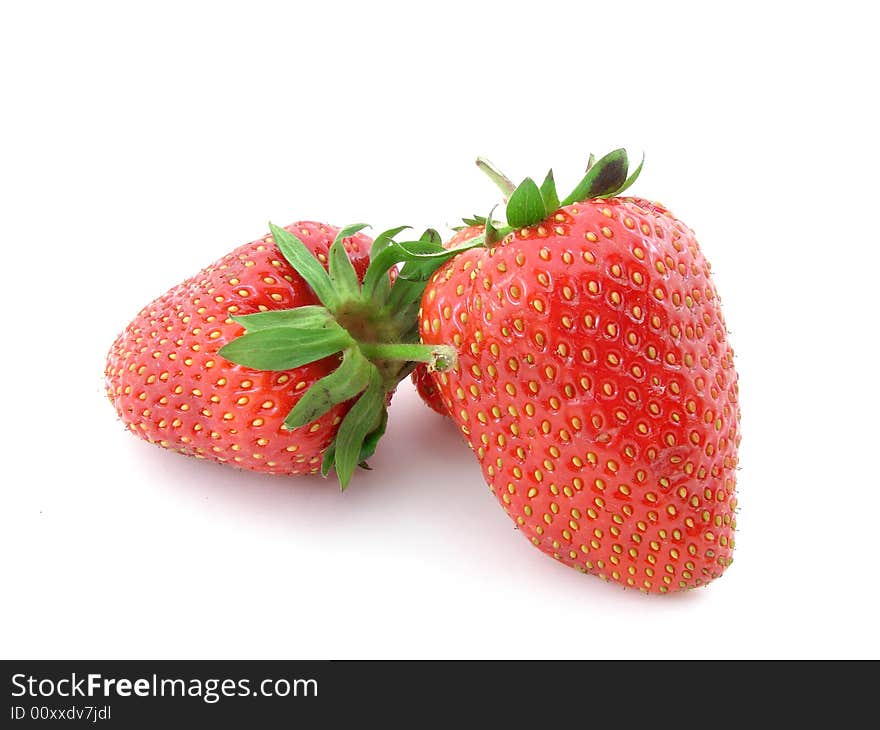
(141, 143)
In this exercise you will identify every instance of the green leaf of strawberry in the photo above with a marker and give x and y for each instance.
(526, 205)
(363, 418)
(306, 265)
(311, 317)
(491, 234)
(605, 177)
(285, 348)
(549, 194)
(432, 236)
(350, 378)
(631, 179)
(343, 277)
(384, 240)
(368, 448)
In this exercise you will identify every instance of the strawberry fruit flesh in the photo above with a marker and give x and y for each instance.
(595, 383)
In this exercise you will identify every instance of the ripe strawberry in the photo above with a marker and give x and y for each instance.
(595, 381)
(183, 375)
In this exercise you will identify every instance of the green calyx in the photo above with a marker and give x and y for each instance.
(370, 326)
(529, 204)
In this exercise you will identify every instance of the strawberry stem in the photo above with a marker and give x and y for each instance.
(437, 357)
(504, 183)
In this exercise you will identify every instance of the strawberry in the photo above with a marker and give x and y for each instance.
(265, 361)
(595, 382)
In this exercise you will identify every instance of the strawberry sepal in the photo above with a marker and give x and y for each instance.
(370, 326)
(528, 204)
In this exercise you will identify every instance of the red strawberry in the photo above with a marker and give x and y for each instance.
(181, 375)
(421, 378)
(170, 387)
(595, 382)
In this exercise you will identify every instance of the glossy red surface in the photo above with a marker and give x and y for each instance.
(171, 388)
(597, 388)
